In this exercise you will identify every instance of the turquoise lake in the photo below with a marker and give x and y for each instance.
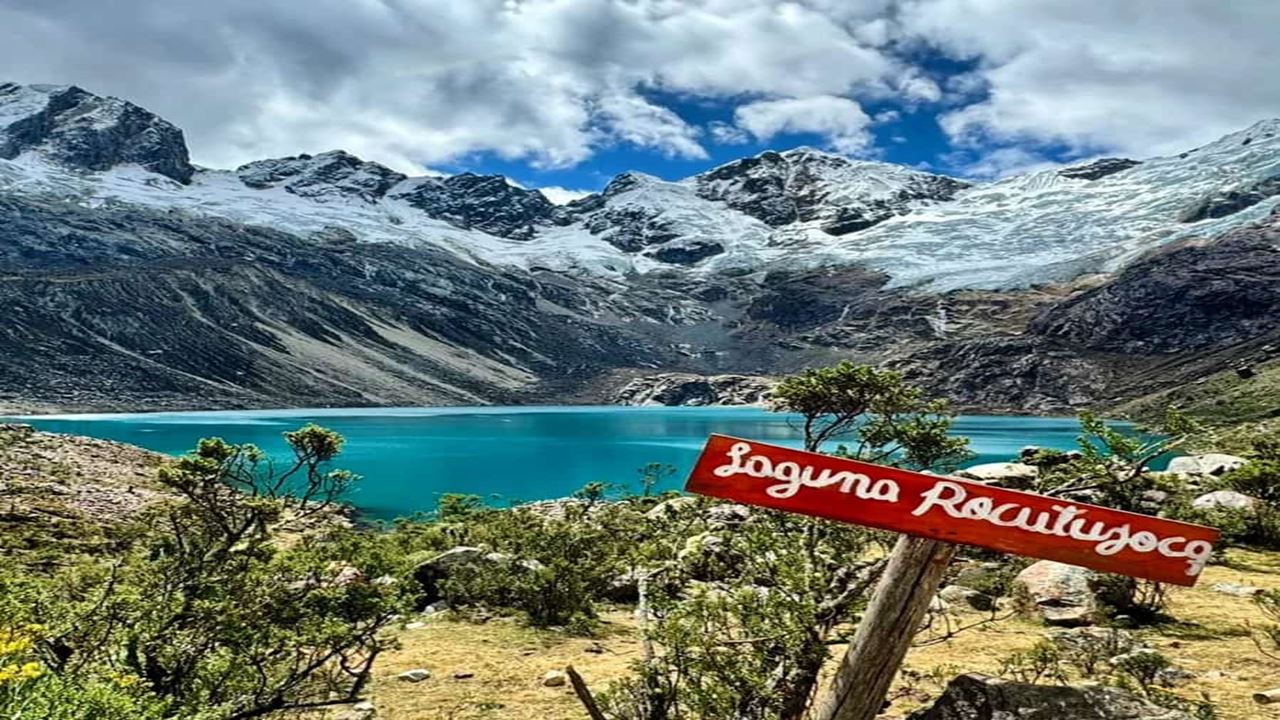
(409, 457)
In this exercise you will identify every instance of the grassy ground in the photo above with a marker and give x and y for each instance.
(1220, 399)
(1211, 638)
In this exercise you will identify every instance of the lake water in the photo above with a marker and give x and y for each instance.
(409, 457)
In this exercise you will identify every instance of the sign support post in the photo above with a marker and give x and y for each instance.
(884, 635)
(935, 513)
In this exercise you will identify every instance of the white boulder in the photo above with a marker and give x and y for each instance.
(1213, 464)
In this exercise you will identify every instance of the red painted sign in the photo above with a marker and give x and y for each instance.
(953, 510)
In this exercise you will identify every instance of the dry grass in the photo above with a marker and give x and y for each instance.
(508, 660)
(1211, 635)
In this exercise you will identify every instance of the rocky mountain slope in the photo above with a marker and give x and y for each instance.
(134, 279)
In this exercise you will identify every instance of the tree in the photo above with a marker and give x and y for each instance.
(889, 419)
(746, 613)
(246, 597)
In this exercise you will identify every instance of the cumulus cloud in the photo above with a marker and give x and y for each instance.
(1139, 77)
(412, 83)
(416, 82)
(838, 119)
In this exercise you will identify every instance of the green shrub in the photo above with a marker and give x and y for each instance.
(242, 599)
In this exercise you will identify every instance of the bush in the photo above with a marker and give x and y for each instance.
(553, 564)
(243, 599)
(1144, 601)
(745, 614)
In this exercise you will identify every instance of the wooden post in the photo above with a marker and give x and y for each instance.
(584, 694)
(1267, 697)
(898, 606)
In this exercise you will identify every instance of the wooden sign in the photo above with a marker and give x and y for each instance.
(952, 510)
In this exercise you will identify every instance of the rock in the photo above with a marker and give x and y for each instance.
(1214, 464)
(1224, 499)
(1015, 475)
(1232, 201)
(1236, 589)
(1152, 500)
(414, 625)
(434, 608)
(803, 184)
(1057, 593)
(728, 514)
(363, 710)
(1175, 677)
(668, 509)
(413, 676)
(1099, 168)
(960, 595)
(463, 675)
(344, 574)
(980, 697)
(482, 202)
(625, 587)
(686, 389)
(89, 132)
(554, 678)
(431, 573)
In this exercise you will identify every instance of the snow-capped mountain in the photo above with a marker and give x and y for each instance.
(136, 278)
(797, 209)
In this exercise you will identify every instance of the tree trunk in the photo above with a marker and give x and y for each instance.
(909, 583)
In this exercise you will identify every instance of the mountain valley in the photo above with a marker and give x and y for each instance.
(134, 280)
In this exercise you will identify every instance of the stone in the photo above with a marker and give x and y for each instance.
(728, 514)
(463, 675)
(344, 574)
(1225, 500)
(435, 608)
(1214, 464)
(624, 588)
(554, 678)
(1057, 593)
(1236, 589)
(363, 710)
(414, 625)
(974, 696)
(1003, 474)
(668, 509)
(414, 676)
(431, 573)
(695, 390)
(960, 595)
(1175, 677)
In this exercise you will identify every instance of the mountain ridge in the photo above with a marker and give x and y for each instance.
(328, 279)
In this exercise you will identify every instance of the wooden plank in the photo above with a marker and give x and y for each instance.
(952, 510)
(884, 635)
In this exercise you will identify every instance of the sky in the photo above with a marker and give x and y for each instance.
(565, 94)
